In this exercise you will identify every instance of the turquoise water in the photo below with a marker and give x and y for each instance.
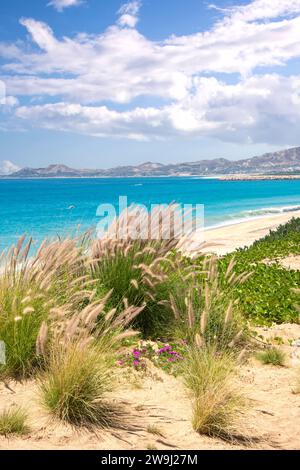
(47, 208)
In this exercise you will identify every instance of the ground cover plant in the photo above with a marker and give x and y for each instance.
(269, 295)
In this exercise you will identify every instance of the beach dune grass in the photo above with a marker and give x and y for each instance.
(215, 402)
(75, 383)
(135, 270)
(273, 356)
(30, 287)
(13, 421)
(209, 311)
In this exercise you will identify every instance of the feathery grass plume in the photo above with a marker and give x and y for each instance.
(137, 268)
(13, 421)
(217, 406)
(87, 325)
(78, 355)
(273, 356)
(29, 288)
(208, 310)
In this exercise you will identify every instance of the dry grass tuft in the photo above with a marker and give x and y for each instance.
(13, 421)
(216, 404)
(273, 356)
(74, 386)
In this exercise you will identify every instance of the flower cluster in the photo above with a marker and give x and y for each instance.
(163, 354)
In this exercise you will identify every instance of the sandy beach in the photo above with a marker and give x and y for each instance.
(223, 240)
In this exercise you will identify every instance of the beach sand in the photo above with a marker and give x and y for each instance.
(225, 239)
(157, 399)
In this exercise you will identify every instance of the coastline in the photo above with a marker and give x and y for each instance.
(220, 177)
(246, 177)
(227, 238)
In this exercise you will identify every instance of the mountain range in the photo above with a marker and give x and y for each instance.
(281, 162)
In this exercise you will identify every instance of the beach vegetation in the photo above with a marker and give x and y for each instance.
(155, 430)
(216, 403)
(274, 356)
(13, 421)
(73, 387)
(207, 309)
(76, 309)
(269, 295)
(138, 271)
(30, 289)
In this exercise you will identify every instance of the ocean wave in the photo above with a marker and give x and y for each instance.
(246, 215)
(270, 210)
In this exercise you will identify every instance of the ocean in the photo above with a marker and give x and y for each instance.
(57, 207)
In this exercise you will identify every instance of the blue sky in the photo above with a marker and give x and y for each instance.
(97, 83)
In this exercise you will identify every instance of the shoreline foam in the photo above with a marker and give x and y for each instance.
(261, 214)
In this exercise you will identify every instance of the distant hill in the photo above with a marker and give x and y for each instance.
(282, 162)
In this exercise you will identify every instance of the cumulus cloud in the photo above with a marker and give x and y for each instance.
(2, 92)
(86, 75)
(247, 112)
(129, 14)
(60, 5)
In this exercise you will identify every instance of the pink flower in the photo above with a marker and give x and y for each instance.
(137, 353)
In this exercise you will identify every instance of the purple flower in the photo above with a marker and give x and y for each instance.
(171, 359)
(164, 349)
(137, 353)
(121, 363)
(136, 363)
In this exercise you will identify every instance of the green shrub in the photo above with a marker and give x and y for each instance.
(267, 296)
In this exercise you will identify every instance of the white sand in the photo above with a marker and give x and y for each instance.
(222, 240)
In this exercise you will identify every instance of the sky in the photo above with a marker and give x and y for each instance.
(97, 83)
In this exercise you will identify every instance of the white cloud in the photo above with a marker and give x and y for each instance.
(263, 9)
(78, 79)
(253, 110)
(2, 92)
(129, 14)
(7, 168)
(60, 5)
